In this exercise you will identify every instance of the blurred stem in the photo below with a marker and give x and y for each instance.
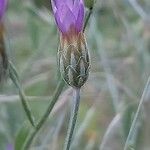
(132, 129)
(46, 114)
(73, 118)
(138, 9)
(15, 79)
(87, 18)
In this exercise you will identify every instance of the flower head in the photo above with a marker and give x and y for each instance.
(3, 5)
(73, 57)
(69, 15)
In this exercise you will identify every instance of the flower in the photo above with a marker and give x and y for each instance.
(3, 5)
(73, 53)
(69, 15)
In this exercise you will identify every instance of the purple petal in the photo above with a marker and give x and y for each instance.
(69, 20)
(60, 15)
(59, 23)
(68, 13)
(79, 2)
(75, 9)
(62, 11)
(80, 18)
(59, 3)
(9, 147)
(3, 5)
(69, 3)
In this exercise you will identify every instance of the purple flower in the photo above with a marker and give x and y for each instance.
(69, 15)
(3, 5)
(9, 147)
(73, 53)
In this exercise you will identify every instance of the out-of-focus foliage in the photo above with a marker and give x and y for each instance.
(118, 37)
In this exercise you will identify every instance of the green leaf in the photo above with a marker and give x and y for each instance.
(22, 136)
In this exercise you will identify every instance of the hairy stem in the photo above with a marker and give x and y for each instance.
(73, 118)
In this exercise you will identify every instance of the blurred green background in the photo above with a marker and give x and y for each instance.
(118, 37)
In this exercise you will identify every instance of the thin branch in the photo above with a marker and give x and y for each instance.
(15, 79)
(46, 114)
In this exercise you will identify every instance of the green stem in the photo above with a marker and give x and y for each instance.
(73, 119)
(46, 114)
(87, 18)
(132, 129)
(15, 79)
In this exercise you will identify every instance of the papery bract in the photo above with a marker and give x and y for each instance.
(69, 14)
(74, 60)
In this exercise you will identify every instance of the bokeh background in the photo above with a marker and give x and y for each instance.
(118, 37)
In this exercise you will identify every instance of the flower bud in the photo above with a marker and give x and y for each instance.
(73, 53)
(74, 60)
